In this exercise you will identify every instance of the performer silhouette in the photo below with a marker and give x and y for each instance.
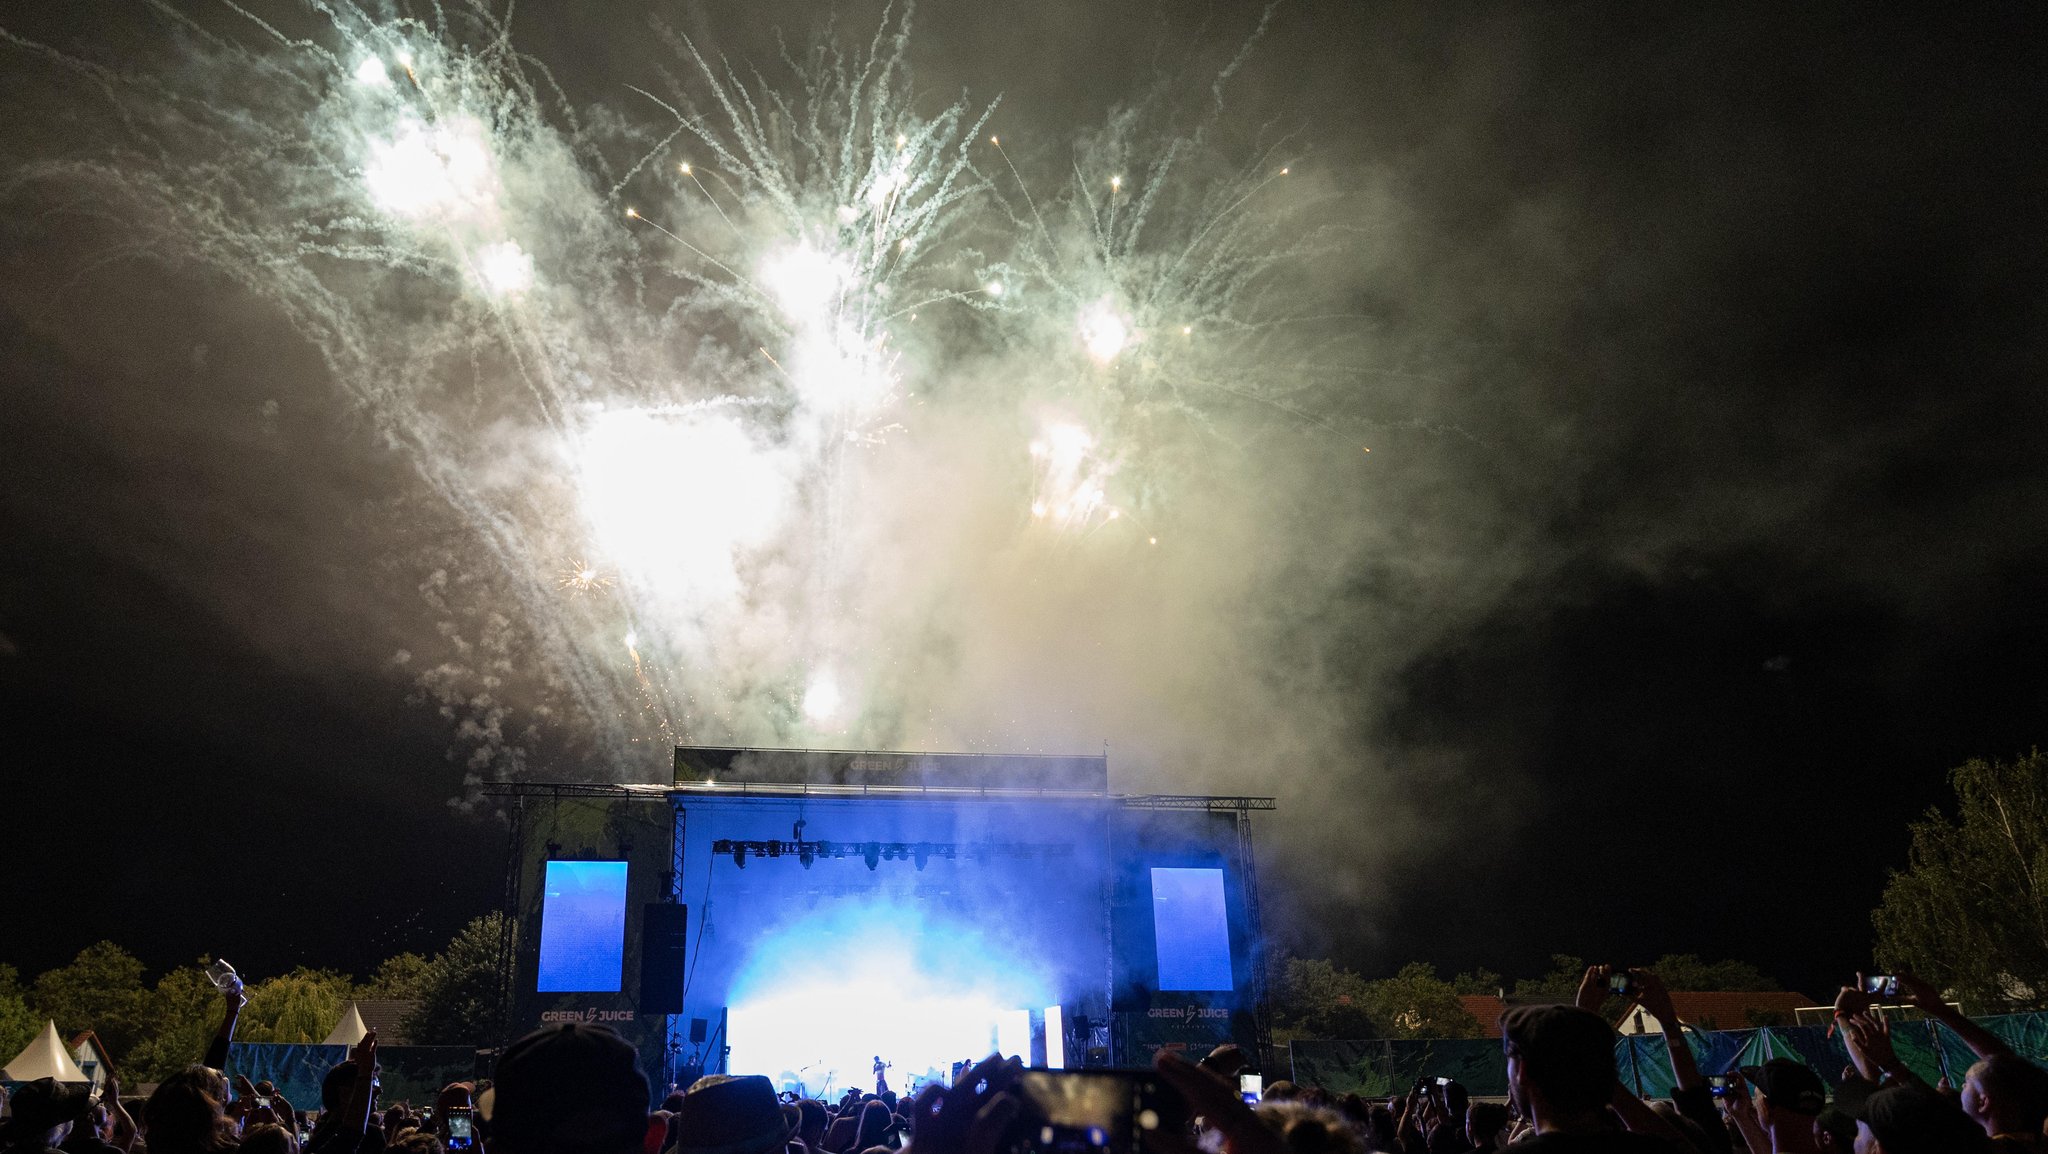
(881, 1076)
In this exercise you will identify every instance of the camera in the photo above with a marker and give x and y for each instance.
(1092, 1111)
(1622, 984)
(1882, 985)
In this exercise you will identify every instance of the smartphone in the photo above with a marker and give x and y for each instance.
(1621, 984)
(1724, 1085)
(1882, 985)
(262, 1102)
(1252, 1087)
(1442, 1082)
(1092, 1112)
(461, 1133)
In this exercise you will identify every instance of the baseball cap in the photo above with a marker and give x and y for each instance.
(1789, 1084)
(572, 1086)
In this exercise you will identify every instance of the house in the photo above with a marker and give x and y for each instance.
(1722, 1010)
(91, 1057)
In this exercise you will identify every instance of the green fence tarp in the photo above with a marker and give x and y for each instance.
(1390, 1066)
(406, 1073)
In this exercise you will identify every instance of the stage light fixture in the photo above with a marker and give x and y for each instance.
(739, 854)
(872, 854)
(922, 854)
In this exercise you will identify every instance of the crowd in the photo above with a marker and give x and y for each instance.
(578, 1089)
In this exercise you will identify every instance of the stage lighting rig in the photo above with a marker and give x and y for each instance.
(874, 853)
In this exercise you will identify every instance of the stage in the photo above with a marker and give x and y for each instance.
(801, 914)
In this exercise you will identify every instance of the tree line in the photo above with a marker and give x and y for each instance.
(153, 1030)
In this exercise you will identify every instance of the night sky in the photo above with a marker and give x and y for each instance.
(1709, 506)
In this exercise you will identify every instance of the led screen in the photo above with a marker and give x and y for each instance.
(1190, 928)
(583, 927)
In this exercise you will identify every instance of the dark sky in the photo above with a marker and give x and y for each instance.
(1736, 320)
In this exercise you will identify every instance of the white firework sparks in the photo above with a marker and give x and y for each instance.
(700, 388)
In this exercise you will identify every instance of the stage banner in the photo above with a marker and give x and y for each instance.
(1188, 1030)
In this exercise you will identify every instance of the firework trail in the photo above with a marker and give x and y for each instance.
(689, 344)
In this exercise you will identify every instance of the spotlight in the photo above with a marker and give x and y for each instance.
(804, 854)
(922, 854)
(872, 854)
(739, 854)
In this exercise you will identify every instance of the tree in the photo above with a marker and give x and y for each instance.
(1312, 998)
(1970, 910)
(462, 1002)
(184, 1011)
(396, 977)
(1415, 1003)
(1688, 972)
(99, 990)
(1480, 981)
(301, 1006)
(18, 1023)
(1561, 984)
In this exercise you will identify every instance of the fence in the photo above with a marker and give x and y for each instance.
(406, 1073)
(1390, 1066)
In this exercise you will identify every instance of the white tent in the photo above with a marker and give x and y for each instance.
(45, 1057)
(349, 1030)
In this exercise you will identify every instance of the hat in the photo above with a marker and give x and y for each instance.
(1789, 1084)
(1911, 1119)
(572, 1085)
(724, 1114)
(45, 1104)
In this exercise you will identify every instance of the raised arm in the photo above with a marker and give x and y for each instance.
(1869, 1039)
(1655, 998)
(1927, 999)
(1742, 1112)
(217, 1050)
(355, 1116)
(110, 1097)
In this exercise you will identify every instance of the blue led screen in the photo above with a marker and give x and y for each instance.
(1190, 929)
(583, 927)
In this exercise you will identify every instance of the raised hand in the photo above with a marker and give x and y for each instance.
(969, 1117)
(1218, 1104)
(1593, 988)
(1652, 996)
